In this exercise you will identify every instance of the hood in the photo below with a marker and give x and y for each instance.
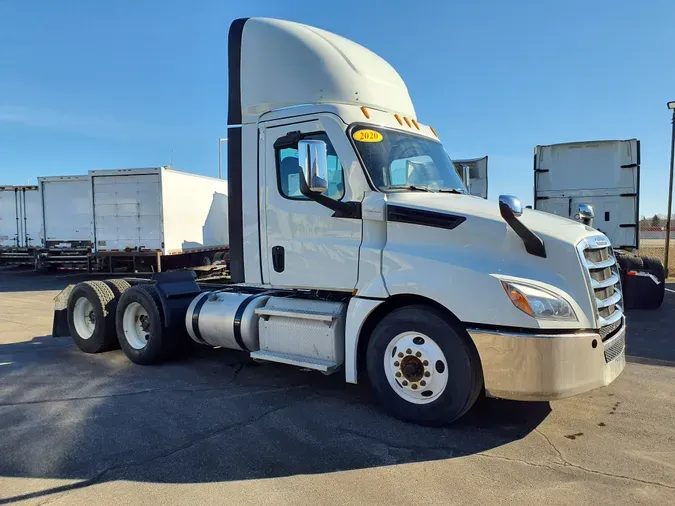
(545, 225)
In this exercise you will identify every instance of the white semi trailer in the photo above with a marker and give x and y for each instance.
(159, 218)
(475, 175)
(340, 263)
(605, 175)
(67, 222)
(138, 219)
(19, 224)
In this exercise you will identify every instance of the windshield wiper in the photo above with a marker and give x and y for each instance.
(452, 190)
(411, 187)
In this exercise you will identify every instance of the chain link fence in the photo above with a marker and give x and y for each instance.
(653, 241)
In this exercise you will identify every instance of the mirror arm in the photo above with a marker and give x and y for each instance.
(533, 243)
(341, 209)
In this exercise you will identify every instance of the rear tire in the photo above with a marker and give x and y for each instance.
(140, 326)
(654, 298)
(422, 368)
(91, 317)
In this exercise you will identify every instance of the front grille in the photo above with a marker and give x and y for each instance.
(614, 347)
(609, 330)
(596, 255)
(604, 293)
(601, 274)
(599, 261)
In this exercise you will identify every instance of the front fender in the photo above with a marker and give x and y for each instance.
(462, 273)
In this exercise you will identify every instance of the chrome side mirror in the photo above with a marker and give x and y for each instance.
(586, 214)
(313, 161)
(512, 203)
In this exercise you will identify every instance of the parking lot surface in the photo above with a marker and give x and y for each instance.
(215, 427)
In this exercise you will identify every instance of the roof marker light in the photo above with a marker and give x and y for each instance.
(365, 112)
(398, 118)
(407, 121)
(433, 131)
(416, 124)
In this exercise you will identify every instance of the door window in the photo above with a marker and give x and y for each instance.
(288, 171)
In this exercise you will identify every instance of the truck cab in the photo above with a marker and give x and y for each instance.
(355, 247)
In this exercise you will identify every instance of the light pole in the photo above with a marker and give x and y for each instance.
(671, 106)
(220, 156)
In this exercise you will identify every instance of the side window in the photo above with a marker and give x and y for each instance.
(288, 171)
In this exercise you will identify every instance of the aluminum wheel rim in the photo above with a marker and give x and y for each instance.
(416, 367)
(84, 318)
(136, 325)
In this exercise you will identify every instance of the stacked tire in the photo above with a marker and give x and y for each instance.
(643, 281)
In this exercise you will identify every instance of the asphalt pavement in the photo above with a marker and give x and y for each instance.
(214, 427)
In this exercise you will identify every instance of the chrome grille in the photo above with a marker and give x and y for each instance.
(603, 273)
(604, 293)
(614, 347)
(596, 255)
(609, 330)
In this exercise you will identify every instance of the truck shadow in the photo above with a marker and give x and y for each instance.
(211, 416)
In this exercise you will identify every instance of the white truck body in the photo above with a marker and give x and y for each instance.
(20, 219)
(337, 259)
(478, 175)
(67, 217)
(159, 210)
(604, 174)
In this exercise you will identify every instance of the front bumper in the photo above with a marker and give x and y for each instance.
(540, 367)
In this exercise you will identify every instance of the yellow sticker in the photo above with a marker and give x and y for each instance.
(367, 136)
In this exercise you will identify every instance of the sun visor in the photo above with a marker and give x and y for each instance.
(275, 64)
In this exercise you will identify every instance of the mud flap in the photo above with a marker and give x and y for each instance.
(60, 323)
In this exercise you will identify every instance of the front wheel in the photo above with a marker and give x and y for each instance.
(422, 368)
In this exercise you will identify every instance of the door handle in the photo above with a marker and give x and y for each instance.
(278, 258)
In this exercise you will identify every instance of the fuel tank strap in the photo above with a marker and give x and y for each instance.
(236, 324)
(195, 318)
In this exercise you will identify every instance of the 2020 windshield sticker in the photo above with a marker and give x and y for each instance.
(367, 136)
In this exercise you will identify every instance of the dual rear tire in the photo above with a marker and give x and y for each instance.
(92, 306)
(106, 315)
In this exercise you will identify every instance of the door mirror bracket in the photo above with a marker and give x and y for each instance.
(313, 161)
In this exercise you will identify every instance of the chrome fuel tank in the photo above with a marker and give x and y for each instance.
(225, 319)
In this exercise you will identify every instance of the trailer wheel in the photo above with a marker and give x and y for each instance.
(654, 298)
(91, 317)
(422, 369)
(140, 326)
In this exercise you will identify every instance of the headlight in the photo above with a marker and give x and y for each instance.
(538, 303)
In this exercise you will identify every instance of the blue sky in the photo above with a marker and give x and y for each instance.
(90, 84)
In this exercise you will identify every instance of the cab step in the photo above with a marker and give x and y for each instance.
(325, 366)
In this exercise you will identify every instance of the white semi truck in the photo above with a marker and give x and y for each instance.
(19, 224)
(346, 257)
(137, 219)
(475, 175)
(605, 175)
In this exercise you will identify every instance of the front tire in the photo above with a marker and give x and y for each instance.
(422, 368)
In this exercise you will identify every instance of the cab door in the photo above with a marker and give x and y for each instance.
(304, 245)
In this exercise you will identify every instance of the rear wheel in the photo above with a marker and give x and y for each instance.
(140, 326)
(91, 317)
(654, 298)
(422, 368)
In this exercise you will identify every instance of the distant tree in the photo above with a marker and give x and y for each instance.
(656, 221)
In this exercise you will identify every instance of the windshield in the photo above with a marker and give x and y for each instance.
(400, 161)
